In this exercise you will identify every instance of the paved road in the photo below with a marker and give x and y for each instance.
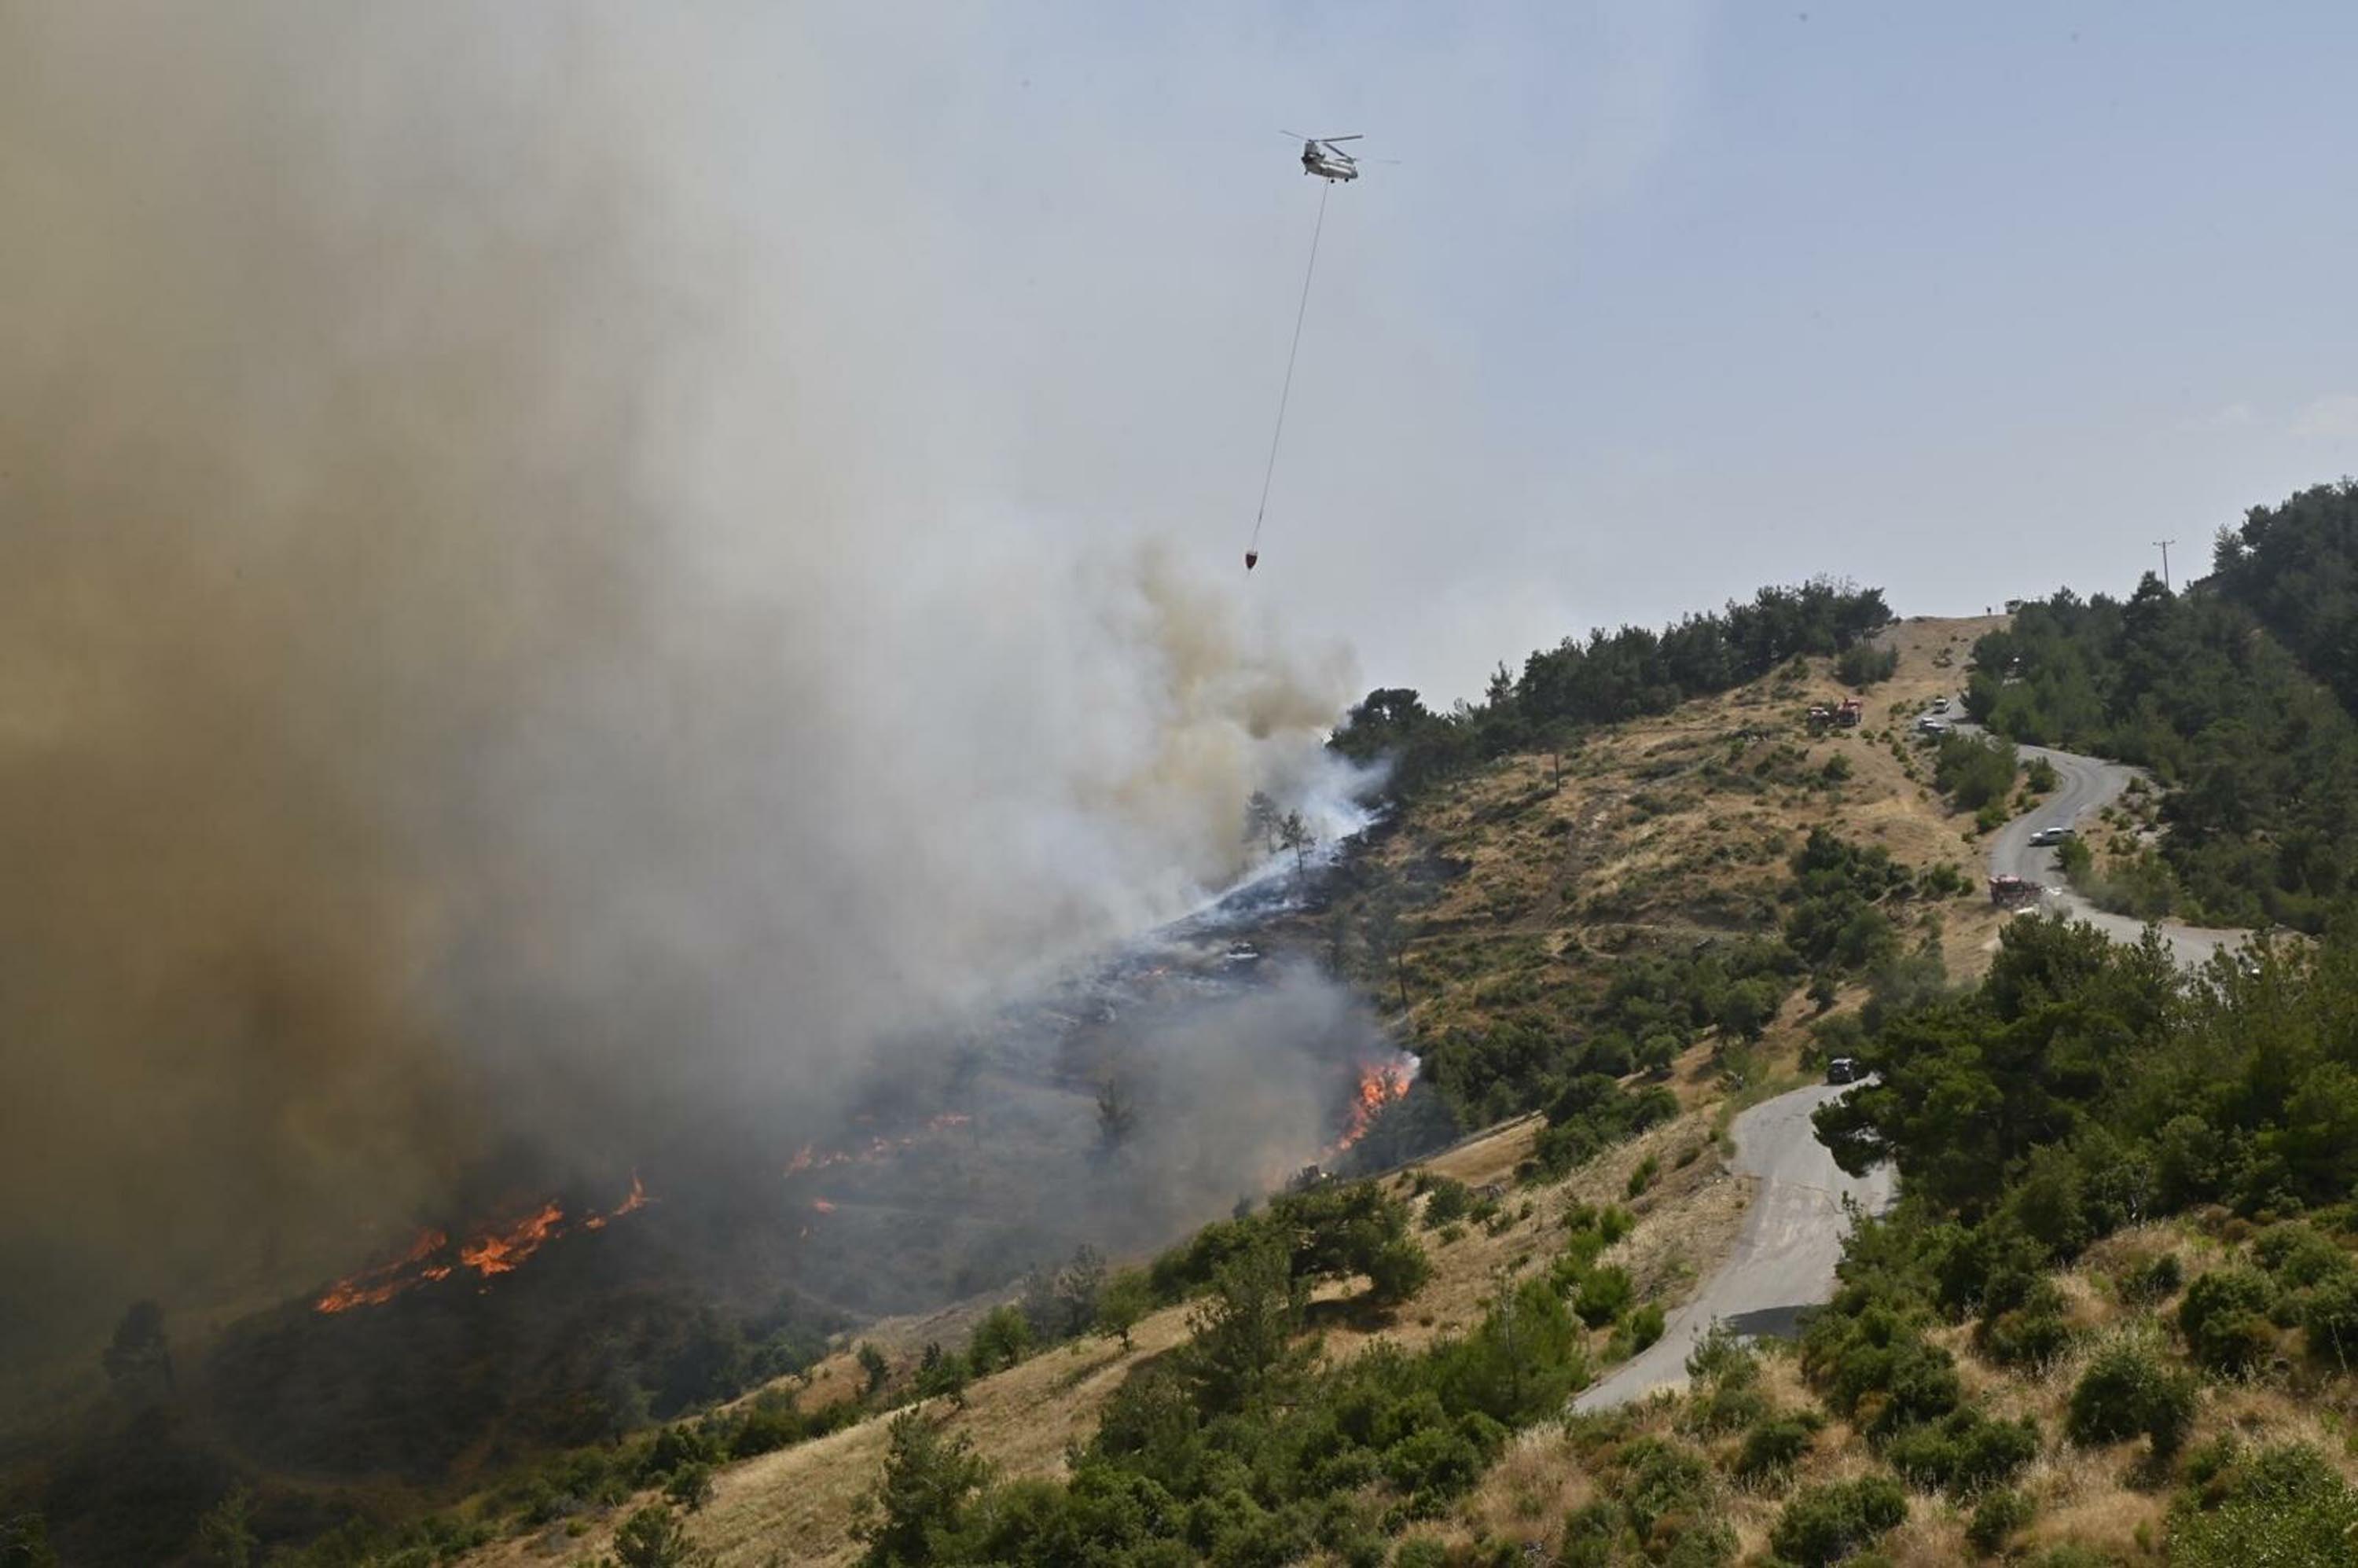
(2084, 786)
(1785, 1259)
(1793, 1238)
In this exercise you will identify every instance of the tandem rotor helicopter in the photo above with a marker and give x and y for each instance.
(1324, 157)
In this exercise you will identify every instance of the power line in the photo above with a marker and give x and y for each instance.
(2164, 546)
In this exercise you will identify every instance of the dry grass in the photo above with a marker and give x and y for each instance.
(1665, 831)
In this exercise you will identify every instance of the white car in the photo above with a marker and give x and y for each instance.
(1940, 705)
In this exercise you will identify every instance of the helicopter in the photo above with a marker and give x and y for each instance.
(1321, 156)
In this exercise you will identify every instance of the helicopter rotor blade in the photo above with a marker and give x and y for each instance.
(1295, 136)
(1355, 136)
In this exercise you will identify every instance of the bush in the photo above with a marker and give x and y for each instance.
(1996, 1516)
(653, 1538)
(2224, 1319)
(1825, 1524)
(1003, 1338)
(1863, 665)
(1604, 1294)
(2126, 1391)
(1449, 1200)
(924, 1494)
(1976, 772)
(1645, 1325)
(1876, 1367)
(1964, 1451)
(2297, 1256)
(1661, 1482)
(690, 1486)
(2285, 1505)
(1772, 1448)
(2152, 1281)
(1397, 1272)
(1643, 1176)
(2330, 1315)
(2032, 1334)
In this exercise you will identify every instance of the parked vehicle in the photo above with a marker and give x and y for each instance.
(2046, 836)
(1843, 1070)
(2008, 892)
(1940, 705)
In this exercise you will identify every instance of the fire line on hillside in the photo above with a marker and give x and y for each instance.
(490, 1250)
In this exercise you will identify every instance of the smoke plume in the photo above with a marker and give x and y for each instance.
(493, 651)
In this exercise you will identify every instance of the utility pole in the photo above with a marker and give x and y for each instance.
(2165, 545)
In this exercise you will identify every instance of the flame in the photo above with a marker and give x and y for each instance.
(487, 1250)
(501, 1252)
(376, 1286)
(820, 1205)
(809, 1157)
(1380, 1083)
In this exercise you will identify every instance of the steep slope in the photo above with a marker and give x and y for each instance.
(1520, 890)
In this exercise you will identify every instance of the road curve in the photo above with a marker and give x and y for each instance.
(1784, 1260)
(1794, 1232)
(2084, 786)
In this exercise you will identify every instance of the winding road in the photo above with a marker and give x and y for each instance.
(1793, 1238)
(1784, 1260)
(2084, 786)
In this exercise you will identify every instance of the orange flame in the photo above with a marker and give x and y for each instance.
(1378, 1086)
(820, 1205)
(376, 1286)
(487, 1251)
(501, 1252)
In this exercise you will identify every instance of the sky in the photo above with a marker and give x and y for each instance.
(1660, 301)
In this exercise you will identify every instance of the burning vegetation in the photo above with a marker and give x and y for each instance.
(1381, 1085)
(489, 1249)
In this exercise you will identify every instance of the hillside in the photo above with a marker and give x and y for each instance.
(2106, 1323)
(1523, 896)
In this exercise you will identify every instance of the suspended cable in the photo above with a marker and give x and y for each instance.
(1253, 549)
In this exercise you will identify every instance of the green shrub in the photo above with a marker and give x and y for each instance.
(1643, 1175)
(1723, 1357)
(2126, 1391)
(2152, 1281)
(2330, 1314)
(1645, 1325)
(1397, 1272)
(1863, 665)
(1660, 1481)
(2224, 1319)
(2000, 1513)
(1604, 1294)
(1964, 1451)
(2283, 1506)
(1825, 1524)
(1449, 1200)
(1876, 1367)
(2297, 1255)
(2032, 1334)
(1420, 1551)
(1772, 1448)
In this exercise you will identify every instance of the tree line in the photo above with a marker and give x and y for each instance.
(1609, 678)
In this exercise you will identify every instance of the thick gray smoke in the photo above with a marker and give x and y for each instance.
(477, 663)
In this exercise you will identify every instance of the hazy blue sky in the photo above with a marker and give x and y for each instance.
(1661, 301)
